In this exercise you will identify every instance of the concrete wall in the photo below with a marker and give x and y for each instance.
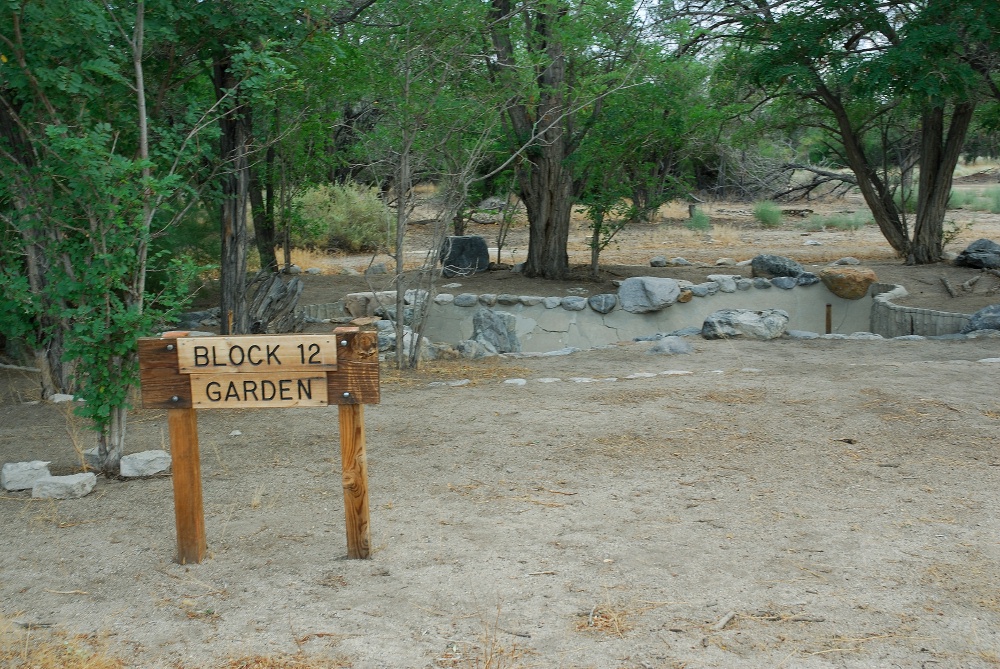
(543, 329)
(893, 320)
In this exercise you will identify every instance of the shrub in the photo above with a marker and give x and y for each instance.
(346, 217)
(849, 222)
(767, 213)
(699, 221)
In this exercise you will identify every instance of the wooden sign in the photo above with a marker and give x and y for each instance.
(183, 374)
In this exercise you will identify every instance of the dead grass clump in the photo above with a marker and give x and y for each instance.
(488, 369)
(734, 397)
(31, 648)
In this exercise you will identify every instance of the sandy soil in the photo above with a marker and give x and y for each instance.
(752, 504)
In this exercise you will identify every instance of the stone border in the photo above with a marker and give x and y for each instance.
(893, 320)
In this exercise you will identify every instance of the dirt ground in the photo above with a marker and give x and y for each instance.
(752, 504)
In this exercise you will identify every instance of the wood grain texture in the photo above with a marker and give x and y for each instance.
(186, 465)
(158, 375)
(354, 464)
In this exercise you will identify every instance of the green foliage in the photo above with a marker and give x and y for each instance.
(699, 222)
(987, 199)
(768, 214)
(846, 222)
(344, 217)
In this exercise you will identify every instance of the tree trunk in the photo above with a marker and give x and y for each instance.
(939, 155)
(262, 205)
(546, 188)
(234, 144)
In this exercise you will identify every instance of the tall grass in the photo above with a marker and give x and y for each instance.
(699, 222)
(846, 222)
(982, 199)
(767, 213)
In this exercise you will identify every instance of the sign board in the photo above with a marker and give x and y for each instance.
(183, 374)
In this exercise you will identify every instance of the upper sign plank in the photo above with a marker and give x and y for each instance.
(256, 353)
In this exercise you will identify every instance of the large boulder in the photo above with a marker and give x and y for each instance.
(643, 294)
(769, 266)
(22, 475)
(64, 487)
(987, 318)
(498, 329)
(980, 254)
(464, 255)
(729, 323)
(850, 283)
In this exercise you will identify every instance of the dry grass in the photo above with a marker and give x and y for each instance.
(476, 371)
(30, 648)
(298, 661)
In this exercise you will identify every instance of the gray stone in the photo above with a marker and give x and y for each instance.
(517, 268)
(314, 270)
(488, 299)
(507, 299)
(59, 398)
(699, 290)
(473, 350)
(864, 336)
(444, 298)
(725, 262)
(760, 282)
(604, 303)
(980, 254)
(802, 334)
(64, 487)
(530, 300)
(295, 269)
(466, 300)
(727, 282)
(658, 261)
(496, 328)
(807, 279)
(770, 266)
(643, 294)
(415, 296)
(375, 269)
(785, 282)
(744, 284)
(987, 318)
(22, 475)
(680, 261)
(728, 323)
(146, 463)
(671, 346)
(464, 256)
(551, 302)
(847, 260)
(573, 303)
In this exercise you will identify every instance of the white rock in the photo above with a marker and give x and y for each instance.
(22, 475)
(58, 398)
(235, 433)
(146, 463)
(516, 382)
(64, 487)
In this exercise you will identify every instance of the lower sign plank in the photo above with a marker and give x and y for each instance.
(248, 390)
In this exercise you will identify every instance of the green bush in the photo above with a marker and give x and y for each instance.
(767, 213)
(345, 217)
(849, 222)
(699, 221)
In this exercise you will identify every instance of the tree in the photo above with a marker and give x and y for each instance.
(78, 203)
(866, 67)
(562, 59)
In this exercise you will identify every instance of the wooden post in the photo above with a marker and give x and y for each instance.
(829, 319)
(355, 474)
(188, 510)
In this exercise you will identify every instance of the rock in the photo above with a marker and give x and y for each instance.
(573, 303)
(725, 262)
(807, 279)
(488, 299)
(23, 475)
(365, 304)
(314, 270)
(551, 302)
(472, 349)
(530, 300)
(604, 303)
(64, 487)
(466, 300)
(987, 318)
(517, 268)
(812, 242)
(146, 463)
(496, 328)
(643, 294)
(295, 269)
(770, 266)
(980, 254)
(761, 282)
(686, 296)
(415, 296)
(847, 260)
(671, 346)
(727, 282)
(850, 283)
(683, 262)
(802, 334)
(727, 323)
(658, 261)
(784, 282)
(59, 398)
(465, 255)
(507, 299)
(444, 298)
(743, 284)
